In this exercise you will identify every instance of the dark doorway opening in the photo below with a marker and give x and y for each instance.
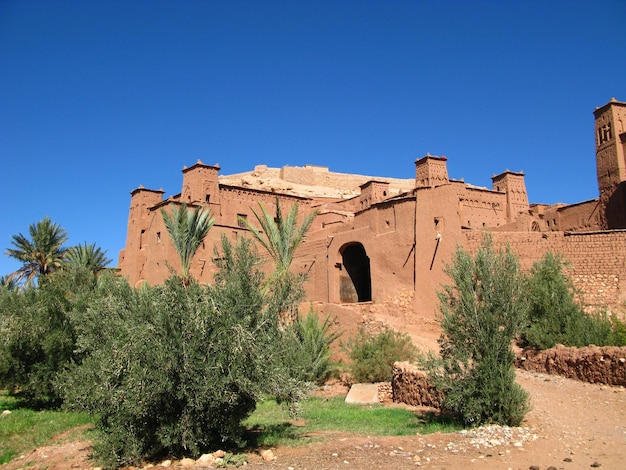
(355, 281)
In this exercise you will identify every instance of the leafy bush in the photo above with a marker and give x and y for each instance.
(373, 356)
(308, 354)
(37, 336)
(554, 315)
(618, 335)
(482, 311)
(175, 369)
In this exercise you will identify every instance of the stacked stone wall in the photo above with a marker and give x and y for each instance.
(596, 261)
(410, 385)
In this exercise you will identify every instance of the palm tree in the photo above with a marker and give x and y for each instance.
(87, 256)
(40, 255)
(187, 230)
(281, 237)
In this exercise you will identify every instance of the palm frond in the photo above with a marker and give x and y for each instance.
(187, 229)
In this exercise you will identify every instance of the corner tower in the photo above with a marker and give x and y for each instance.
(610, 127)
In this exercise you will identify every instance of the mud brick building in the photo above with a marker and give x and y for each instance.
(377, 238)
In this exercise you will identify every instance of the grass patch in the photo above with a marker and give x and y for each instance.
(25, 429)
(270, 424)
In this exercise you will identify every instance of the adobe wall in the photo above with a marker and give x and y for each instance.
(437, 234)
(481, 208)
(386, 233)
(237, 201)
(597, 261)
(581, 217)
(149, 253)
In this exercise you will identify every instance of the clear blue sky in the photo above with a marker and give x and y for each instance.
(98, 97)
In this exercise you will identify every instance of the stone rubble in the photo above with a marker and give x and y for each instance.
(487, 437)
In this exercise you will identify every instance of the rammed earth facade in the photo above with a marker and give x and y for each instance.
(380, 238)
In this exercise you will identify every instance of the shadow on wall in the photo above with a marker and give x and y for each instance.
(355, 283)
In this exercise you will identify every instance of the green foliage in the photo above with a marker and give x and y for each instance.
(86, 256)
(41, 254)
(281, 236)
(372, 357)
(187, 229)
(554, 315)
(618, 334)
(271, 427)
(308, 354)
(37, 336)
(175, 369)
(482, 311)
(8, 283)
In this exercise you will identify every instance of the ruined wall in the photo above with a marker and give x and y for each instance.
(320, 176)
(605, 365)
(597, 261)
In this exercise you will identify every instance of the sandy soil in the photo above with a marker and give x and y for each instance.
(572, 425)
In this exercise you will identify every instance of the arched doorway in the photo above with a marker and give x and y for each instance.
(355, 283)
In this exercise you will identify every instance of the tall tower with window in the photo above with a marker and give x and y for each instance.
(610, 126)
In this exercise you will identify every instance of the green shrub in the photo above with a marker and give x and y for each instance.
(308, 353)
(618, 334)
(175, 369)
(37, 336)
(482, 311)
(554, 315)
(372, 357)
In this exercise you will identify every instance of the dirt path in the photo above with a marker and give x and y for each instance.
(572, 425)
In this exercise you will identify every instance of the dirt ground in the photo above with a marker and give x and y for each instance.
(572, 425)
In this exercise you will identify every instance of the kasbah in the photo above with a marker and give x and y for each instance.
(386, 241)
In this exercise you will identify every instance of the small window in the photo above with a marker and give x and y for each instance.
(158, 237)
(207, 198)
(241, 220)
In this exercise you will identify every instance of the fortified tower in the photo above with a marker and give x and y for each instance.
(611, 162)
(133, 256)
(512, 183)
(431, 171)
(200, 185)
